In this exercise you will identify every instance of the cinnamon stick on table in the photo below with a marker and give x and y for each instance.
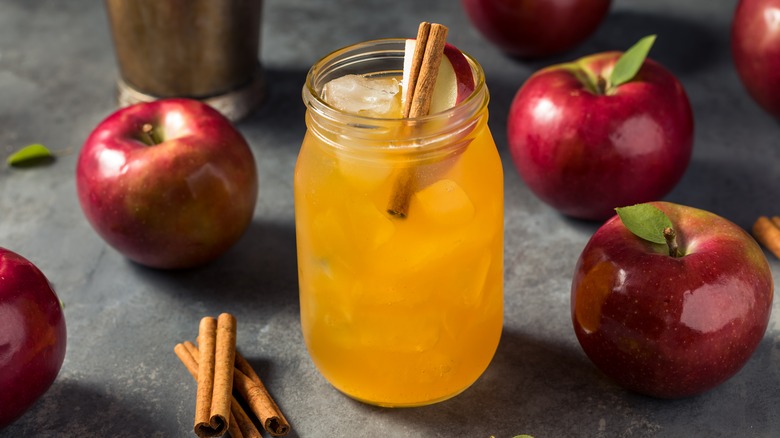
(428, 53)
(264, 406)
(248, 384)
(217, 340)
(241, 426)
(767, 232)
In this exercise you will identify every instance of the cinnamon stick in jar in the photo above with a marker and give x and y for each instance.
(421, 42)
(427, 57)
(433, 52)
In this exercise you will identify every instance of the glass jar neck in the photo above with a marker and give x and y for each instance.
(428, 135)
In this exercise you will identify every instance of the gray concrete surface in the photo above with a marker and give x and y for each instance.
(120, 377)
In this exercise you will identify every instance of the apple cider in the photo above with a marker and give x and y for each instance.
(399, 226)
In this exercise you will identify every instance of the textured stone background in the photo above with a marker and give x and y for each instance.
(120, 377)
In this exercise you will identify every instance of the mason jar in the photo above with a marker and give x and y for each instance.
(399, 226)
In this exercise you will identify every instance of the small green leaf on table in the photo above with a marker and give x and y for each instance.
(29, 154)
(646, 221)
(629, 63)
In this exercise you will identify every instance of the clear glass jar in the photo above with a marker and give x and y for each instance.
(399, 226)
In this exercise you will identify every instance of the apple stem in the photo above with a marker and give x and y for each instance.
(147, 131)
(671, 240)
(601, 86)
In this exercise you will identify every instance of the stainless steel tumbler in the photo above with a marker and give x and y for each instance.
(202, 49)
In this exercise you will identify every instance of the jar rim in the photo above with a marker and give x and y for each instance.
(464, 109)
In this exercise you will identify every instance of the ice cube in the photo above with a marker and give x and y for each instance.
(369, 228)
(373, 97)
(364, 177)
(352, 232)
(445, 203)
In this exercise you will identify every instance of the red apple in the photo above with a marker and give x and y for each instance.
(666, 323)
(176, 196)
(32, 335)
(585, 146)
(536, 28)
(755, 48)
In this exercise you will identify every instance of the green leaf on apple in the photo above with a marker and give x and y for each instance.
(628, 65)
(29, 154)
(645, 221)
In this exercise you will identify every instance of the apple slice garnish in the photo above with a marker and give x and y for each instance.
(454, 81)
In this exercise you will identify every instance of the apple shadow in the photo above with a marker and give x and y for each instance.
(585, 227)
(682, 44)
(731, 408)
(740, 192)
(760, 377)
(71, 409)
(260, 267)
(530, 378)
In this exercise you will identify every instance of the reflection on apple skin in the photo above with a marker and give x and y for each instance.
(33, 336)
(585, 151)
(169, 184)
(671, 327)
(755, 49)
(711, 308)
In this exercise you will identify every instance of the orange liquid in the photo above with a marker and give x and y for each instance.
(400, 312)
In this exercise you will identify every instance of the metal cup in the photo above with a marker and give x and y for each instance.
(202, 49)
